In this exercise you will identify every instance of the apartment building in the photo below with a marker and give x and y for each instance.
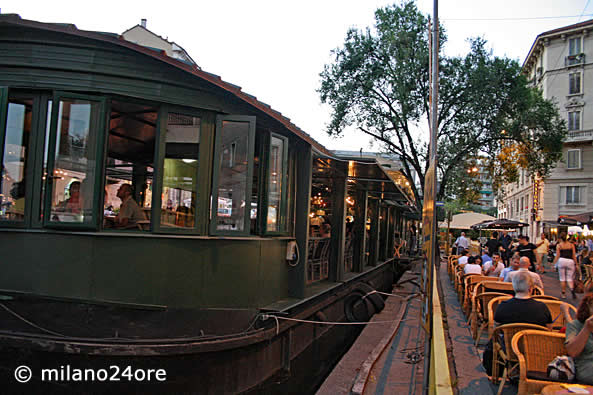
(560, 63)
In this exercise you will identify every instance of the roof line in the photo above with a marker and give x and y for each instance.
(553, 32)
(15, 19)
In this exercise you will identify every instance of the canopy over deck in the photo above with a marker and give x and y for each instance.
(466, 220)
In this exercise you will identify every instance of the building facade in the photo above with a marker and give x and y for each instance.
(560, 63)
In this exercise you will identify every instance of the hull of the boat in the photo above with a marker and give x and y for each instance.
(290, 357)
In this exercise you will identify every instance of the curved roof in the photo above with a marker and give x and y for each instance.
(16, 20)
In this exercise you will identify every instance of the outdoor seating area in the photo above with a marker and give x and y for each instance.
(520, 352)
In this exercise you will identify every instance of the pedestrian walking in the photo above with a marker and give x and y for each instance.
(565, 263)
(541, 253)
(462, 243)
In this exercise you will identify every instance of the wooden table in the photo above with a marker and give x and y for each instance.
(557, 389)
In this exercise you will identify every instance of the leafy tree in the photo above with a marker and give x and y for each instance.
(379, 84)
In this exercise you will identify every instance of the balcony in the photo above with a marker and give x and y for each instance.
(574, 136)
(572, 60)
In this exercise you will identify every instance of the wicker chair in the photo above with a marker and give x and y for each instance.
(587, 275)
(492, 305)
(470, 283)
(505, 357)
(559, 320)
(535, 350)
(545, 297)
(480, 314)
(458, 278)
(451, 264)
(480, 287)
(499, 286)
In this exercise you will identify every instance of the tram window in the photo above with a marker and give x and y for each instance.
(129, 160)
(233, 171)
(45, 152)
(276, 193)
(74, 161)
(14, 163)
(180, 171)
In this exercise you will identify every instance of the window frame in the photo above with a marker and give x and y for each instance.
(579, 164)
(216, 162)
(575, 188)
(573, 39)
(578, 118)
(579, 86)
(282, 213)
(99, 161)
(33, 175)
(203, 155)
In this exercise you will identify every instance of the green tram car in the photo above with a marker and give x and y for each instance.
(150, 213)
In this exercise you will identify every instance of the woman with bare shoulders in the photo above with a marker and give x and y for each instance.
(565, 262)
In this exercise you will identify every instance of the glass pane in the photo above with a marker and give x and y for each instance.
(232, 176)
(18, 130)
(178, 206)
(73, 177)
(129, 166)
(275, 187)
(45, 151)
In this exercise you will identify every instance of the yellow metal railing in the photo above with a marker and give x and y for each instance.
(440, 379)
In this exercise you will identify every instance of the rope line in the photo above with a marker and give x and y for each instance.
(266, 316)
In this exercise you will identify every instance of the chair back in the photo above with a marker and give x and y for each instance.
(535, 349)
(471, 280)
(509, 330)
(556, 312)
(491, 309)
(483, 301)
(544, 297)
(588, 274)
(499, 286)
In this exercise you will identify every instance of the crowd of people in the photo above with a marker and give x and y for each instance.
(521, 264)
(500, 255)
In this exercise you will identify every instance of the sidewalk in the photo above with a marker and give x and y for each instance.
(387, 356)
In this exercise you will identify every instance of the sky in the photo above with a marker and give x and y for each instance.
(275, 49)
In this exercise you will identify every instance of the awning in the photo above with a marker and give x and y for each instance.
(466, 220)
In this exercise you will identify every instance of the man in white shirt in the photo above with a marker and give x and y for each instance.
(471, 267)
(524, 264)
(463, 258)
(494, 267)
(462, 242)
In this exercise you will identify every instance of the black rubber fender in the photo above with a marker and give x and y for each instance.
(357, 308)
(375, 298)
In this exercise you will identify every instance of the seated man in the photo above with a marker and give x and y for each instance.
(522, 308)
(524, 265)
(463, 258)
(129, 211)
(494, 267)
(471, 267)
(514, 265)
(486, 257)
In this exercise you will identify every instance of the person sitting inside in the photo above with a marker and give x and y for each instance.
(471, 267)
(74, 203)
(522, 308)
(463, 258)
(494, 267)
(504, 275)
(524, 265)
(129, 211)
(579, 340)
